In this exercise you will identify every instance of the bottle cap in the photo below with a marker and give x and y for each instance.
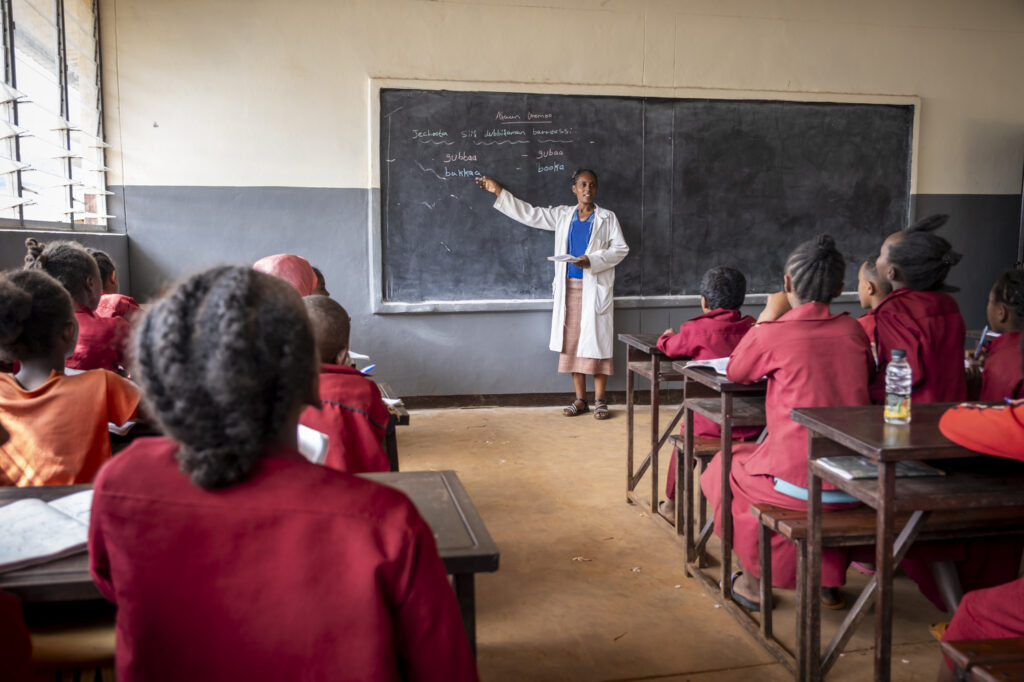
(898, 353)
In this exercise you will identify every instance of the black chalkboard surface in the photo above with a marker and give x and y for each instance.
(694, 183)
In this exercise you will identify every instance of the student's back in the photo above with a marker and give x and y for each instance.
(918, 317)
(299, 572)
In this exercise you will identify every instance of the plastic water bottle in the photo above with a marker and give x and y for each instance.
(899, 381)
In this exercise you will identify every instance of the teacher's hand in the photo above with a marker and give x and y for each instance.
(582, 262)
(488, 184)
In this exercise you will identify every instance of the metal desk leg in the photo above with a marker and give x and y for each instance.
(884, 570)
(465, 593)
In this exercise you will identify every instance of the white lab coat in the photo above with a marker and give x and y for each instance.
(605, 250)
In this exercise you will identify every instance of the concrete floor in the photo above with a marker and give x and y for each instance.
(591, 587)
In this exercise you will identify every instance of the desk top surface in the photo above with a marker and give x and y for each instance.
(718, 382)
(463, 542)
(648, 343)
(863, 430)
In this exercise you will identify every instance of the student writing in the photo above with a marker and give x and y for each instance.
(112, 303)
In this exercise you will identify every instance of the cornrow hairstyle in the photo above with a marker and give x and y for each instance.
(871, 269)
(723, 287)
(34, 309)
(331, 326)
(1009, 289)
(816, 268)
(105, 263)
(68, 262)
(223, 359)
(580, 171)
(924, 259)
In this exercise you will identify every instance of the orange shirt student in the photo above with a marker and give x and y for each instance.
(58, 423)
(1002, 376)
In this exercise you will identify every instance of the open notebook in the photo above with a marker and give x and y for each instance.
(35, 532)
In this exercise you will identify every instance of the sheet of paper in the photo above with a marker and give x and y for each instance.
(392, 402)
(34, 532)
(76, 505)
(358, 356)
(564, 258)
(313, 444)
(720, 365)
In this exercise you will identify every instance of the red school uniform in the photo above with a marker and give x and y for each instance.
(928, 325)
(101, 341)
(300, 570)
(812, 358)
(354, 418)
(996, 611)
(711, 335)
(118, 305)
(1002, 375)
(867, 323)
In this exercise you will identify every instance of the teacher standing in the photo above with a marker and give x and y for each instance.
(582, 319)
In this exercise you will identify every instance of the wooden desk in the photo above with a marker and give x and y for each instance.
(987, 659)
(465, 546)
(837, 431)
(644, 358)
(728, 404)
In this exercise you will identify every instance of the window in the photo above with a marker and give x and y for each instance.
(52, 153)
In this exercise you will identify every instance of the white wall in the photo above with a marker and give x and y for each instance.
(263, 92)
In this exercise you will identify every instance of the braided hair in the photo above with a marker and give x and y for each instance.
(924, 259)
(68, 262)
(223, 360)
(723, 287)
(1009, 289)
(816, 269)
(34, 309)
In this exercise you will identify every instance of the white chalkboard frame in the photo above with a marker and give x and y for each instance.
(374, 214)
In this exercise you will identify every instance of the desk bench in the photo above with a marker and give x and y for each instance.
(855, 527)
(988, 659)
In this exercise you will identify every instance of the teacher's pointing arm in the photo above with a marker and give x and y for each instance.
(610, 256)
(519, 210)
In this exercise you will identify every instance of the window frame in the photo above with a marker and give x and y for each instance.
(7, 24)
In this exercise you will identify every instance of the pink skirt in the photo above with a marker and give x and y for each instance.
(567, 359)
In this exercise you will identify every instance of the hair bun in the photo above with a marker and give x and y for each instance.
(825, 244)
(928, 224)
(34, 257)
(951, 258)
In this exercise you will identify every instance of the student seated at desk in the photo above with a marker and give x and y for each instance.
(714, 334)
(998, 611)
(871, 290)
(101, 340)
(112, 303)
(918, 316)
(228, 554)
(15, 643)
(1002, 376)
(351, 412)
(58, 423)
(812, 358)
(293, 269)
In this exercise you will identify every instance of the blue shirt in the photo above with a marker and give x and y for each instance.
(579, 237)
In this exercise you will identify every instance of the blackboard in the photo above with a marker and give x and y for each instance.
(694, 183)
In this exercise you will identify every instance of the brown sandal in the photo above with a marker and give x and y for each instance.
(601, 409)
(573, 411)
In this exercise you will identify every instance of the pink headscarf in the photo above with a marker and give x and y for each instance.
(295, 270)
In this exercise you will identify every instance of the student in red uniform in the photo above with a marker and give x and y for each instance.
(994, 612)
(101, 340)
(351, 412)
(112, 303)
(871, 290)
(812, 358)
(293, 269)
(918, 316)
(713, 334)
(58, 422)
(1001, 377)
(228, 554)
